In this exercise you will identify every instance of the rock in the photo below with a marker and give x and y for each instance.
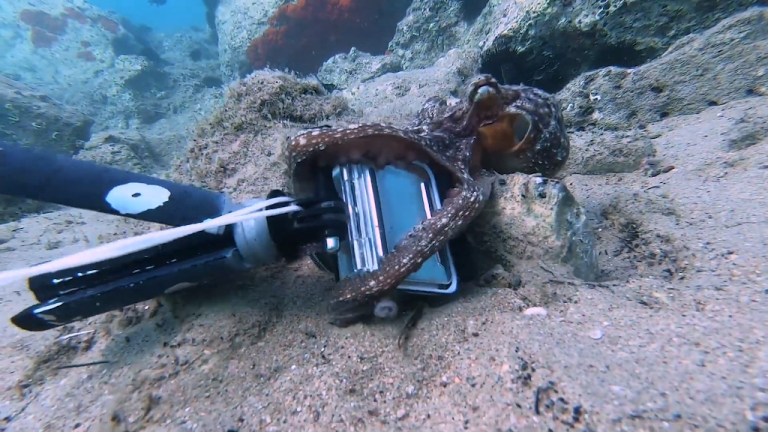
(36, 120)
(430, 29)
(535, 311)
(547, 43)
(723, 64)
(62, 46)
(88, 58)
(602, 152)
(342, 70)
(396, 97)
(13, 209)
(238, 22)
(127, 150)
(58, 44)
(142, 88)
(532, 217)
(239, 149)
(300, 36)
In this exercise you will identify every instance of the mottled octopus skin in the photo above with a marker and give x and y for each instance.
(499, 128)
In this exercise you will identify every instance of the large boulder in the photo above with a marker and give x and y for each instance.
(126, 150)
(431, 28)
(733, 54)
(547, 43)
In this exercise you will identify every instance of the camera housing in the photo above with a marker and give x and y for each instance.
(383, 205)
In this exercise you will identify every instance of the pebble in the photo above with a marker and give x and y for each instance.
(596, 334)
(540, 311)
(444, 381)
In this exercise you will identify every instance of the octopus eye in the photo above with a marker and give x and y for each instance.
(522, 127)
(510, 134)
(505, 142)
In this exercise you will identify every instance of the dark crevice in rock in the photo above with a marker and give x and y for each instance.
(149, 80)
(128, 44)
(553, 62)
(471, 9)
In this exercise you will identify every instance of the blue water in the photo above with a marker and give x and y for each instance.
(172, 16)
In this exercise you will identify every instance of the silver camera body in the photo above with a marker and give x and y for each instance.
(383, 206)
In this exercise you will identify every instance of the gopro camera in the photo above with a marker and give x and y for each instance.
(383, 206)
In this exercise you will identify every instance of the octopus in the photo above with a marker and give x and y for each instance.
(494, 129)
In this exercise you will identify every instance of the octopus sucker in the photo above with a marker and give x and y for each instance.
(494, 129)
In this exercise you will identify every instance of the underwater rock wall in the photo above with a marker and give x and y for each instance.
(121, 74)
(56, 45)
(725, 63)
(547, 43)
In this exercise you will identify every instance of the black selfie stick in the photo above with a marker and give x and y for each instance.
(77, 293)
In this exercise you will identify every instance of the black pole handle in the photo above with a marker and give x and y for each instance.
(60, 179)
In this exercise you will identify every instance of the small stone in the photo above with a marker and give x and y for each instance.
(410, 392)
(402, 414)
(493, 275)
(596, 334)
(538, 311)
(762, 384)
(444, 381)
